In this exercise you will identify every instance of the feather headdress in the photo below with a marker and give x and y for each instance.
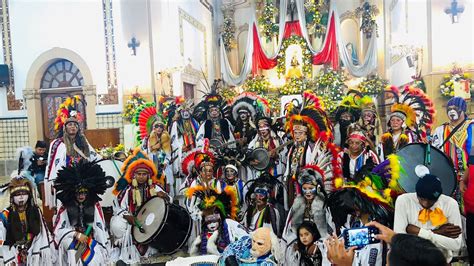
(67, 112)
(225, 202)
(211, 99)
(145, 116)
(349, 104)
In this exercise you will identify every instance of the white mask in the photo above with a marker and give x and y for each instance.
(213, 226)
(20, 200)
(453, 115)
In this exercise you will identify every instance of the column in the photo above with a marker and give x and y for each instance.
(34, 115)
(90, 97)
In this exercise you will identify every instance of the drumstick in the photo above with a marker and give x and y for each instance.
(139, 225)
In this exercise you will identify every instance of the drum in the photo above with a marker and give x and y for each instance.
(262, 155)
(164, 226)
(413, 162)
(111, 168)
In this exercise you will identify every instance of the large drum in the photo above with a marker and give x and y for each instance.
(111, 168)
(164, 226)
(417, 159)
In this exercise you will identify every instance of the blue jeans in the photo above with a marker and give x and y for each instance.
(39, 178)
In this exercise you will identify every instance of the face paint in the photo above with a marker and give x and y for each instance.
(20, 200)
(453, 115)
(185, 114)
(213, 226)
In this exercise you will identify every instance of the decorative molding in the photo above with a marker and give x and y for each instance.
(183, 16)
(12, 103)
(349, 15)
(190, 75)
(208, 6)
(31, 94)
(89, 90)
(112, 88)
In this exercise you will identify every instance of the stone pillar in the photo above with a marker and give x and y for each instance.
(90, 97)
(34, 115)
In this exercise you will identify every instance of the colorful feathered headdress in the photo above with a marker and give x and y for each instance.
(145, 116)
(349, 104)
(194, 158)
(310, 116)
(211, 99)
(83, 176)
(67, 112)
(265, 182)
(413, 106)
(225, 203)
(251, 102)
(137, 160)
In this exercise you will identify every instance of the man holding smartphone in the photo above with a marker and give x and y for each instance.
(38, 162)
(429, 214)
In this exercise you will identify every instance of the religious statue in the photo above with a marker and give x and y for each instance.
(295, 70)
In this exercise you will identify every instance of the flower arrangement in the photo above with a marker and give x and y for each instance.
(293, 86)
(456, 76)
(329, 85)
(372, 85)
(368, 12)
(315, 18)
(228, 93)
(258, 84)
(228, 34)
(131, 105)
(274, 100)
(109, 151)
(307, 56)
(266, 20)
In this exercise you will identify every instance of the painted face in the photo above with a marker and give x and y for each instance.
(309, 191)
(20, 198)
(261, 242)
(214, 112)
(185, 114)
(141, 175)
(81, 196)
(355, 146)
(346, 116)
(396, 123)
(72, 128)
(212, 226)
(207, 172)
(244, 115)
(305, 237)
(158, 128)
(261, 196)
(368, 117)
(212, 222)
(453, 113)
(300, 136)
(230, 174)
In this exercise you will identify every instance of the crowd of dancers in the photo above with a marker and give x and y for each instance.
(257, 188)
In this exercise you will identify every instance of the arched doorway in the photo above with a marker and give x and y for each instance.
(60, 80)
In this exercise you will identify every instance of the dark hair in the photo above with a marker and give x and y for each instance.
(41, 144)
(312, 229)
(408, 250)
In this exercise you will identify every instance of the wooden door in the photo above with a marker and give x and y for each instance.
(188, 91)
(50, 103)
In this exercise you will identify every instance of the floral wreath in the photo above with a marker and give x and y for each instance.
(372, 85)
(307, 56)
(456, 76)
(133, 102)
(329, 85)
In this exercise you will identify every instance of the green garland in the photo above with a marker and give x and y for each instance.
(314, 17)
(258, 84)
(447, 85)
(329, 85)
(228, 34)
(307, 56)
(372, 85)
(133, 102)
(293, 86)
(266, 20)
(228, 93)
(368, 13)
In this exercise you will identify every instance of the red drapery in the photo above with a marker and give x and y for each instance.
(329, 53)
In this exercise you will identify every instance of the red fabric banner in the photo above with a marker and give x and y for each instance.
(292, 28)
(259, 59)
(329, 53)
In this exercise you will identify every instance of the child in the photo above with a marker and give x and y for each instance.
(304, 249)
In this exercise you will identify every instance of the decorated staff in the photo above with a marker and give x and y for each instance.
(412, 113)
(213, 112)
(79, 227)
(347, 113)
(70, 147)
(139, 183)
(218, 227)
(261, 198)
(358, 156)
(306, 123)
(156, 141)
(26, 239)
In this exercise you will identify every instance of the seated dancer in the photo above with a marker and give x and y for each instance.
(156, 142)
(347, 113)
(260, 198)
(315, 181)
(261, 248)
(79, 225)
(304, 250)
(213, 112)
(307, 123)
(218, 227)
(138, 184)
(431, 215)
(267, 138)
(24, 237)
(404, 125)
(358, 155)
(368, 198)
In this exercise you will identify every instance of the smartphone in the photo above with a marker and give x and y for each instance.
(360, 237)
